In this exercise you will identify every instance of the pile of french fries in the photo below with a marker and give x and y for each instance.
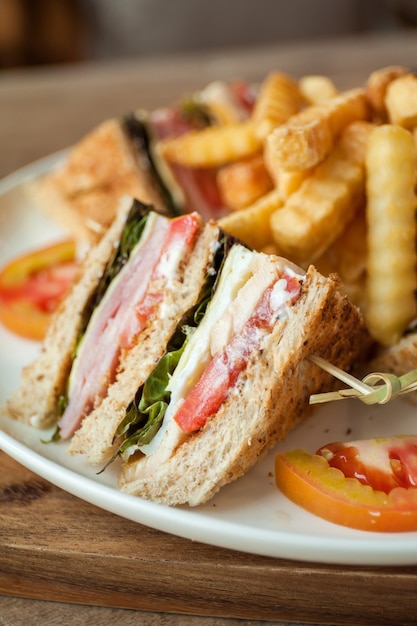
(325, 177)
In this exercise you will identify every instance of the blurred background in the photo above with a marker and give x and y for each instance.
(49, 32)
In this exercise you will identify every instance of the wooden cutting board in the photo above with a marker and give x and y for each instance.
(54, 546)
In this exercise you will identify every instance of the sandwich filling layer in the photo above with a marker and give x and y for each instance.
(254, 292)
(134, 297)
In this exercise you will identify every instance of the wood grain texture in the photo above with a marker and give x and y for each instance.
(54, 546)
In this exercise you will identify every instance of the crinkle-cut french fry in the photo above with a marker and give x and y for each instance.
(391, 240)
(252, 225)
(316, 88)
(286, 181)
(222, 103)
(279, 98)
(242, 183)
(376, 87)
(347, 107)
(401, 101)
(301, 143)
(354, 141)
(347, 254)
(349, 249)
(318, 212)
(356, 292)
(213, 146)
(309, 136)
(289, 182)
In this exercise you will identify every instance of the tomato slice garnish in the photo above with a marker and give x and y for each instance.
(33, 285)
(383, 463)
(374, 494)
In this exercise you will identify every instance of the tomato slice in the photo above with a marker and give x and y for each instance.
(209, 393)
(383, 463)
(374, 494)
(33, 285)
(225, 367)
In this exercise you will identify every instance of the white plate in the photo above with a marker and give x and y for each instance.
(250, 515)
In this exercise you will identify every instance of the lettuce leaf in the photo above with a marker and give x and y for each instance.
(130, 237)
(145, 414)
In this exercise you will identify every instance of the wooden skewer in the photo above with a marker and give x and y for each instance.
(392, 386)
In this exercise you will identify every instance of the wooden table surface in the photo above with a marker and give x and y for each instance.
(45, 533)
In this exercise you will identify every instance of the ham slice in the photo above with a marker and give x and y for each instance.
(123, 314)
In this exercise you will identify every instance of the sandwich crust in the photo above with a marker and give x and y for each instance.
(271, 398)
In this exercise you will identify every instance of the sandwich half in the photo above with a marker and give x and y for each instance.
(121, 157)
(133, 288)
(242, 379)
(83, 192)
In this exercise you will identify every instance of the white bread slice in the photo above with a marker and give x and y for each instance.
(271, 398)
(43, 382)
(94, 437)
(84, 192)
(398, 359)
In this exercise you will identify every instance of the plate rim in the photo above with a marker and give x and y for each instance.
(189, 523)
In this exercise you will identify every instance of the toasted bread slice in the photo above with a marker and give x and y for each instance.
(83, 194)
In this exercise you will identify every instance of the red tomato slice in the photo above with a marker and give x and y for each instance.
(209, 393)
(181, 234)
(351, 500)
(33, 285)
(225, 367)
(383, 463)
(182, 230)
